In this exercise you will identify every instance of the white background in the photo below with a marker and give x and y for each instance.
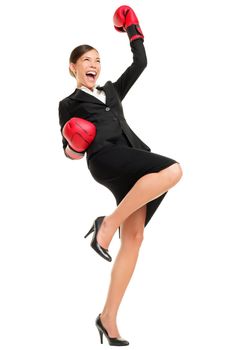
(53, 285)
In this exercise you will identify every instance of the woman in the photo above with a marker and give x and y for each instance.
(118, 159)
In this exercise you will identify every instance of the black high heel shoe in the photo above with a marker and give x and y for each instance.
(111, 341)
(94, 244)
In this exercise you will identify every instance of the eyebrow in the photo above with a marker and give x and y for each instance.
(98, 58)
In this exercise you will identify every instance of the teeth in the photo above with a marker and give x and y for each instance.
(91, 72)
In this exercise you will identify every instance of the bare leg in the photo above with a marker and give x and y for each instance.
(147, 188)
(131, 238)
(130, 215)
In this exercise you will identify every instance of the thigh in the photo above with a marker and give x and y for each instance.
(125, 164)
(133, 226)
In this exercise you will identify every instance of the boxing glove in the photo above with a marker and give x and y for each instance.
(79, 134)
(125, 20)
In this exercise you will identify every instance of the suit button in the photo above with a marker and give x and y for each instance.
(107, 109)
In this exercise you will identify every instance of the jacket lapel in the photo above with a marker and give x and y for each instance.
(108, 92)
(81, 95)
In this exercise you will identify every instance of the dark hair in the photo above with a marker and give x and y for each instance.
(77, 53)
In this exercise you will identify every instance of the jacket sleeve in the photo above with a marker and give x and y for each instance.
(65, 114)
(63, 117)
(128, 78)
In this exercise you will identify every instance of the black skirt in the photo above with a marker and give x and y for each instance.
(118, 166)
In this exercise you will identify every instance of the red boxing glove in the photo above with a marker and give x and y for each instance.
(79, 133)
(125, 20)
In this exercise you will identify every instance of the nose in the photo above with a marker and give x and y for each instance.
(93, 64)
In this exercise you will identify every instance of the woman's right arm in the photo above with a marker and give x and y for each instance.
(77, 132)
(71, 154)
(64, 116)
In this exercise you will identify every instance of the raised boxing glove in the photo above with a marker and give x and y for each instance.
(125, 20)
(79, 133)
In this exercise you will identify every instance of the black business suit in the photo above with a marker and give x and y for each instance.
(117, 157)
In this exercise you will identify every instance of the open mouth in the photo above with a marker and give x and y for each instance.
(91, 75)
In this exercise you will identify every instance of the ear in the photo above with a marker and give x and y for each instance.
(72, 68)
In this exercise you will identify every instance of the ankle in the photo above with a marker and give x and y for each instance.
(108, 316)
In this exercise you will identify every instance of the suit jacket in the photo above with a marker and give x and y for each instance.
(108, 117)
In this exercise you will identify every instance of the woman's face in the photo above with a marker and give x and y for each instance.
(87, 69)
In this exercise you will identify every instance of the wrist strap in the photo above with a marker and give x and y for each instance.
(73, 150)
(134, 32)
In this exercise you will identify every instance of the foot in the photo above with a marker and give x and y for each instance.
(110, 326)
(106, 232)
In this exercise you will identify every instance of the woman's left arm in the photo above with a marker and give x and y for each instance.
(125, 20)
(132, 73)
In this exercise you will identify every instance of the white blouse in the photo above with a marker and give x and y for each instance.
(100, 94)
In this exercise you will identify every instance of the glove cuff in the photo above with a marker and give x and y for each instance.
(77, 152)
(134, 32)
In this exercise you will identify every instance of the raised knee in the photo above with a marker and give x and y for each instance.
(178, 171)
(175, 172)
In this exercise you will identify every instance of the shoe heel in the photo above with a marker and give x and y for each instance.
(101, 336)
(91, 229)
